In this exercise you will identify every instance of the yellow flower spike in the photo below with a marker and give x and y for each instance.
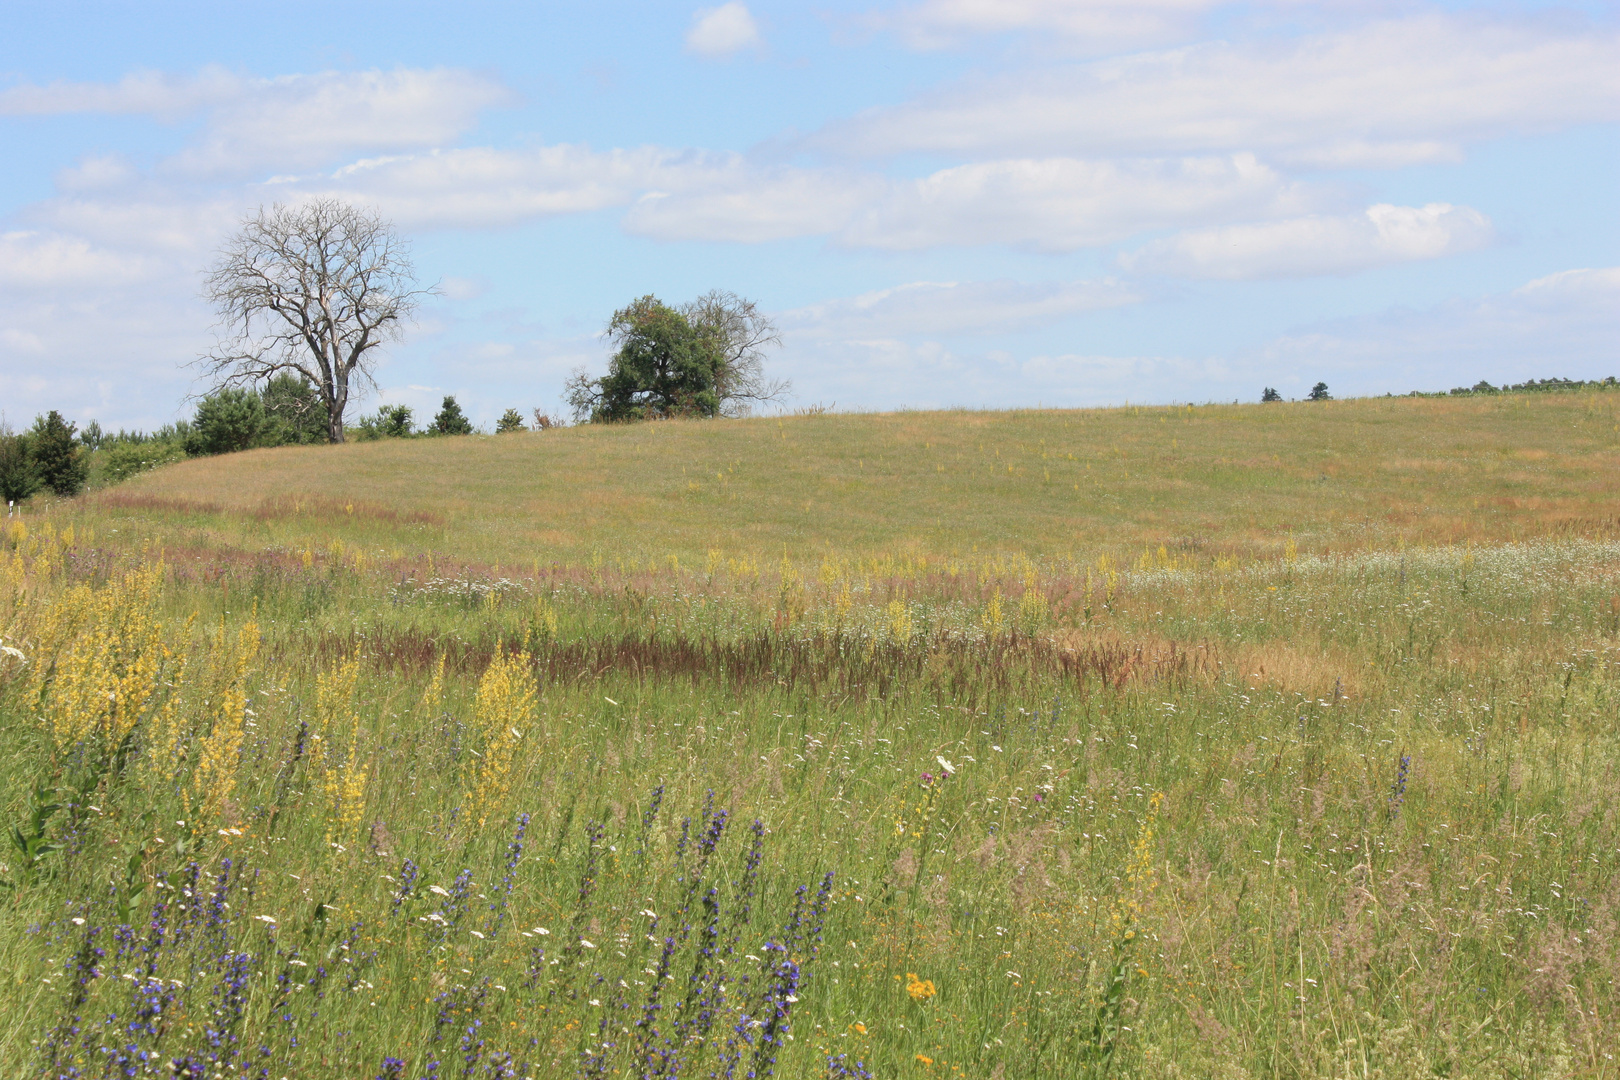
(214, 779)
(337, 722)
(433, 697)
(504, 712)
(97, 658)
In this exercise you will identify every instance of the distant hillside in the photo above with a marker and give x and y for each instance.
(1206, 482)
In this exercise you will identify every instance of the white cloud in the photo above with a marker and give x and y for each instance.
(1579, 289)
(1379, 95)
(1565, 324)
(286, 122)
(1052, 205)
(300, 121)
(464, 288)
(1056, 204)
(1061, 204)
(32, 260)
(952, 308)
(1096, 25)
(110, 351)
(20, 341)
(143, 92)
(723, 31)
(892, 373)
(97, 173)
(175, 226)
(741, 204)
(1306, 246)
(480, 187)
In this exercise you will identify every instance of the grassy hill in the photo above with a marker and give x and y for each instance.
(1206, 482)
(1230, 742)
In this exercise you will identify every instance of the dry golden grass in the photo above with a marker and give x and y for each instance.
(1206, 481)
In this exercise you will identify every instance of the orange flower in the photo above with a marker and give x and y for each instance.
(919, 989)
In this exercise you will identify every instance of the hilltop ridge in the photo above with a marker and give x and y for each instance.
(1208, 481)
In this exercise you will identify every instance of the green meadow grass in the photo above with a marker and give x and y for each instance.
(1286, 747)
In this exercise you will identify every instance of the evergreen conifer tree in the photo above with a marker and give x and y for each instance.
(59, 460)
(451, 420)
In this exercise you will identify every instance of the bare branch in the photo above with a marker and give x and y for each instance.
(317, 289)
(742, 333)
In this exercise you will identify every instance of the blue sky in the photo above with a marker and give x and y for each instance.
(942, 202)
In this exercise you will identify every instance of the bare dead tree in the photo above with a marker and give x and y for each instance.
(315, 288)
(742, 333)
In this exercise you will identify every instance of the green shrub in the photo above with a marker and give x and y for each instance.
(391, 422)
(227, 421)
(122, 460)
(294, 413)
(511, 420)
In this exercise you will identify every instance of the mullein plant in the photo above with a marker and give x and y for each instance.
(1128, 922)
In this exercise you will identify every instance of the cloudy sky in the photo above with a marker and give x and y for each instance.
(942, 202)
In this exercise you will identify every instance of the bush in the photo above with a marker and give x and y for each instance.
(227, 421)
(1319, 392)
(511, 420)
(122, 460)
(451, 420)
(59, 460)
(18, 476)
(391, 422)
(293, 412)
(1270, 394)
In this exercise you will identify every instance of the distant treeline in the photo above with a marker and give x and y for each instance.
(1534, 386)
(56, 456)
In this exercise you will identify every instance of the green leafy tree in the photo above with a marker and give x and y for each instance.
(1270, 394)
(58, 458)
(663, 367)
(511, 420)
(294, 415)
(704, 358)
(451, 420)
(18, 476)
(227, 421)
(1319, 392)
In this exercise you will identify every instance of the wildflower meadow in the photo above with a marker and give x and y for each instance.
(309, 790)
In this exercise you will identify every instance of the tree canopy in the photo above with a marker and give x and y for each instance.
(702, 359)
